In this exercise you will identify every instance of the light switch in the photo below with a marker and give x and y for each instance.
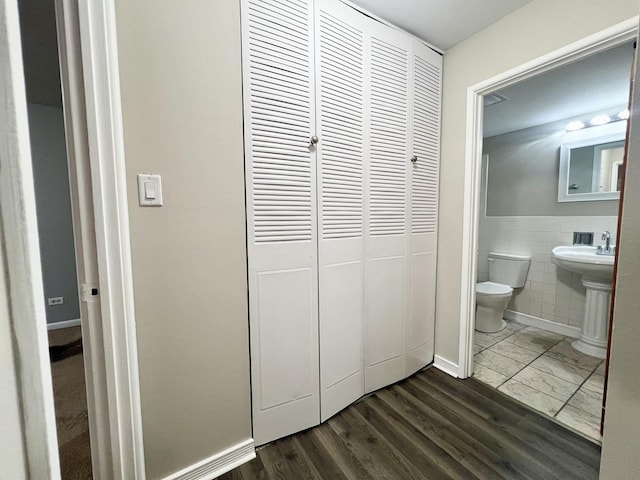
(149, 190)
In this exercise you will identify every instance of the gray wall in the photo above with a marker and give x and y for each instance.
(53, 203)
(180, 73)
(621, 442)
(512, 41)
(523, 175)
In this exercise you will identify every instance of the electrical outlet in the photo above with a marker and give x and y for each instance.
(55, 301)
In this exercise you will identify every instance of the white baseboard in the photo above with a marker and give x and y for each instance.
(63, 324)
(542, 323)
(217, 464)
(446, 366)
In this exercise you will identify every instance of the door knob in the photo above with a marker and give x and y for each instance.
(414, 159)
(314, 140)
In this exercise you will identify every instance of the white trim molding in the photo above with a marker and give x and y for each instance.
(472, 178)
(218, 464)
(98, 40)
(78, 155)
(542, 323)
(610, 37)
(446, 366)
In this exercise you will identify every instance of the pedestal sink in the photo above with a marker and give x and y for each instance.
(597, 278)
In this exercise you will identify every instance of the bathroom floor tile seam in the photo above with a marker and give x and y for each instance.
(592, 371)
(529, 364)
(559, 414)
(525, 364)
(566, 402)
(499, 375)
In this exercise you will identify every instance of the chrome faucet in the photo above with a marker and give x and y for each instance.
(606, 249)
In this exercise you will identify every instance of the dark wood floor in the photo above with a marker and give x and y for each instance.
(430, 426)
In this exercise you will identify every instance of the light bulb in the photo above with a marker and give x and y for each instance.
(600, 120)
(575, 125)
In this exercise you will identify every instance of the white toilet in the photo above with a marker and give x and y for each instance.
(506, 272)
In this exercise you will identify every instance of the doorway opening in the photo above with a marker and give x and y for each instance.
(514, 214)
(46, 114)
(93, 127)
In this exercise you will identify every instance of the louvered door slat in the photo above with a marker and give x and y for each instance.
(281, 215)
(280, 101)
(426, 146)
(341, 123)
(388, 152)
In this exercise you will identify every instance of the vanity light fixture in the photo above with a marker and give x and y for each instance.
(575, 125)
(600, 120)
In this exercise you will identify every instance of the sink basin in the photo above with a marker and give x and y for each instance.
(584, 260)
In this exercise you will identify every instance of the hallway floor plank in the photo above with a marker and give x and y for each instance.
(430, 426)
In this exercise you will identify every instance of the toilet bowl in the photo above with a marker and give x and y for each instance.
(506, 272)
(491, 301)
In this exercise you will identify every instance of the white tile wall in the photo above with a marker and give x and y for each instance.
(550, 293)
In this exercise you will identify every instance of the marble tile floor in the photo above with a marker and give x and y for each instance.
(543, 371)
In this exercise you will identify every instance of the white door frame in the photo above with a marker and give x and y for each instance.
(96, 164)
(21, 260)
(106, 162)
(91, 79)
(615, 35)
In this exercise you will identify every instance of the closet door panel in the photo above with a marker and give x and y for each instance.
(284, 298)
(386, 340)
(387, 205)
(342, 377)
(281, 215)
(421, 317)
(341, 130)
(425, 152)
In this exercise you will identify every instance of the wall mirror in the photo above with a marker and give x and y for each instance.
(591, 166)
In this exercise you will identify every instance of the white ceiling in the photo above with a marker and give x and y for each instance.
(596, 83)
(442, 23)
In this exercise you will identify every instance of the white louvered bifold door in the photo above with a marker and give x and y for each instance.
(425, 160)
(387, 206)
(281, 215)
(341, 130)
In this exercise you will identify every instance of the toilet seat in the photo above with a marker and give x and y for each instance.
(492, 288)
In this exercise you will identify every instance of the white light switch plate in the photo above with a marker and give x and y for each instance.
(149, 190)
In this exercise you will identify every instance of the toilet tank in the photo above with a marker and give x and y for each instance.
(508, 269)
